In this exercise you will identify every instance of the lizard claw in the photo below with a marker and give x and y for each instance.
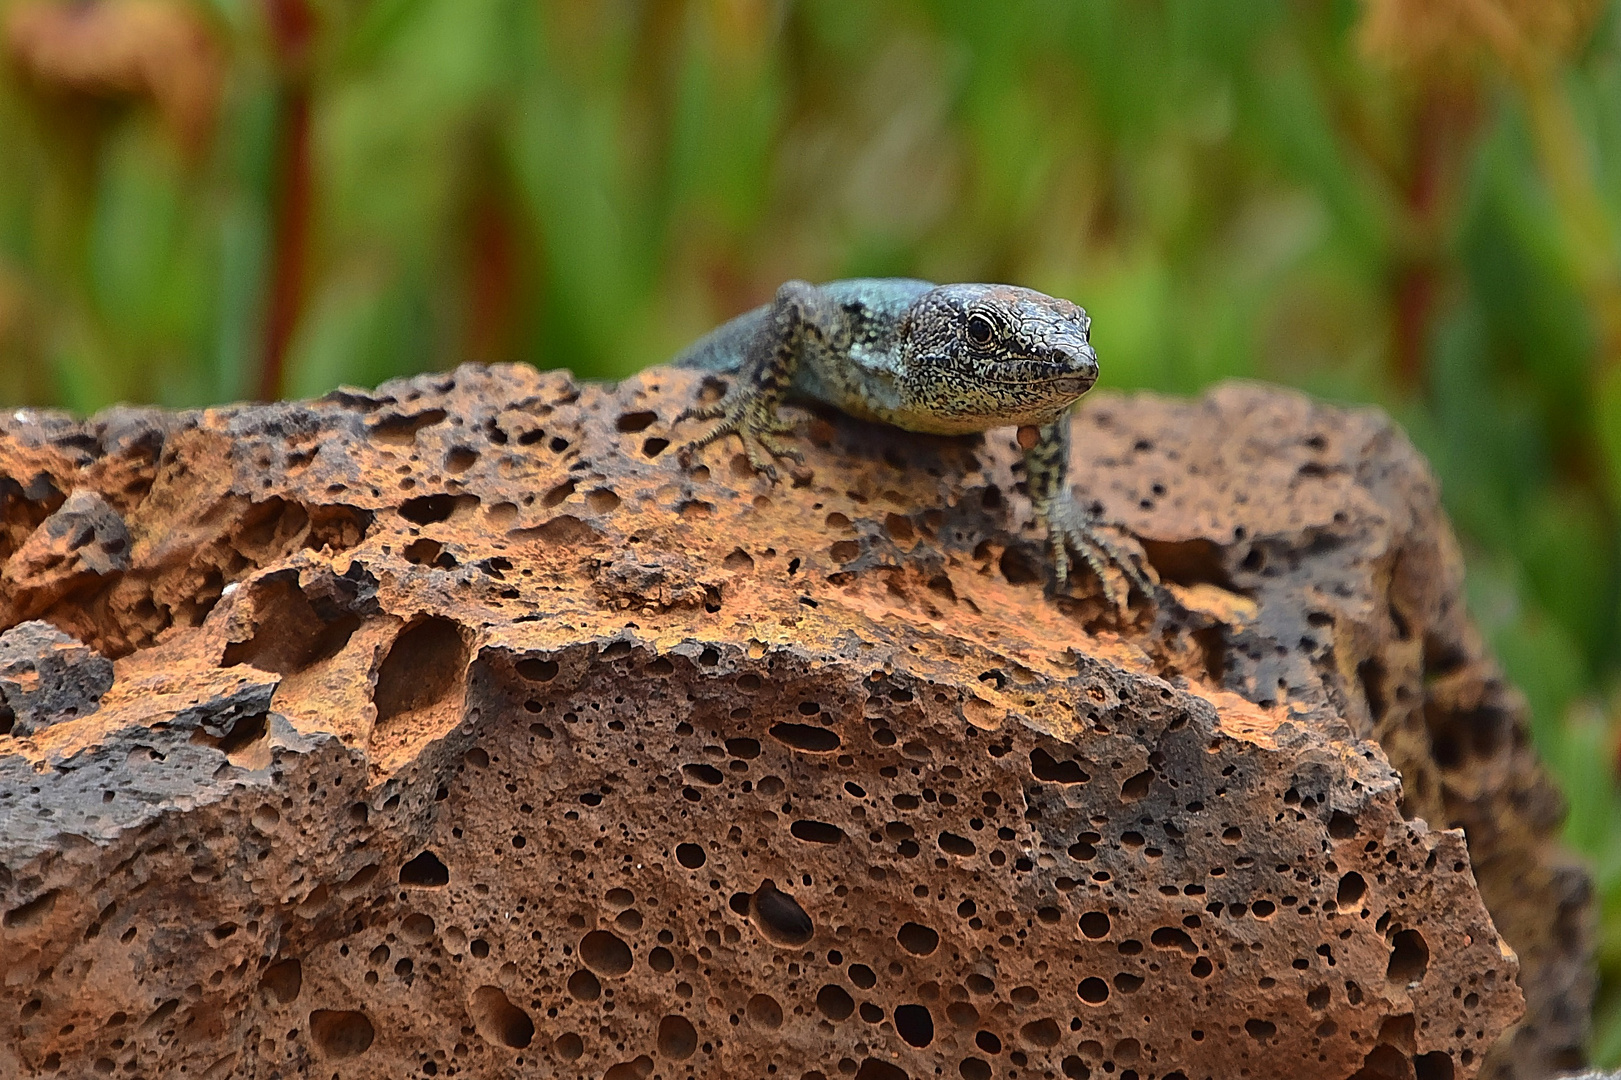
(1070, 528)
(753, 421)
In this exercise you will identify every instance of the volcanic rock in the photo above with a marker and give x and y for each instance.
(455, 728)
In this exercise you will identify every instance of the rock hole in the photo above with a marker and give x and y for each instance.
(426, 871)
(677, 1038)
(400, 429)
(283, 980)
(569, 1046)
(704, 774)
(424, 665)
(632, 422)
(1371, 675)
(1016, 569)
(558, 493)
(914, 1024)
(422, 552)
(655, 446)
(1435, 1065)
(1342, 826)
(499, 1021)
(605, 953)
(974, 1069)
(1050, 770)
(874, 1069)
(460, 458)
(764, 1011)
(417, 928)
(1260, 1030)
(806, 737)
(1137, 786)
(341, 1033)
(1127, 983)
(1076, 1069)
(32, 913)
(1095, 924)
(1351, 890)
(602, 500)
(1093, 991)
(584, 986)
(1189, 563)
(690, 855)
(816, 832)
(1212, 642)
(289, 635)
(863, 976)
(638, 1068)
(745, 748)
(1317, 998)
(244, 732)
(917, 939)
(428, 509)
(537, 670)
(960, 846)
(1172, 937)
(1043, 1032)
(1409, 957)
(834, 1002)
(779, 916)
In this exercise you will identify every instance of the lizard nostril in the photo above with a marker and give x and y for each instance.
(1082, 361)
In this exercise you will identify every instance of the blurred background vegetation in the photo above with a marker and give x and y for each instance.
(1407, 202)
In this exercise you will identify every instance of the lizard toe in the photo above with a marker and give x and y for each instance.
(770, 440)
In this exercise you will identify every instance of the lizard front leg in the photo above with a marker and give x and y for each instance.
(801, 317)
(1070, 527)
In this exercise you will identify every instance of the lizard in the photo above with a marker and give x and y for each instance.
(935, 359)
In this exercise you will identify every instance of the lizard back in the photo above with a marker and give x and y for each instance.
(872, 309)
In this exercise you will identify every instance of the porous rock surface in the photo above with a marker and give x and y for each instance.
(454, 729)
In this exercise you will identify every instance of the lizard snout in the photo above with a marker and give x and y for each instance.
(1080, 365)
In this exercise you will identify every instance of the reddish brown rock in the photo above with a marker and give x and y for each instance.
(456, 730)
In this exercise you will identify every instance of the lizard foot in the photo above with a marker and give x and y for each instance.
(754, 420)
(1070, 528)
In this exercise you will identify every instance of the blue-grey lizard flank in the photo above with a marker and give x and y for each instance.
(941, 359)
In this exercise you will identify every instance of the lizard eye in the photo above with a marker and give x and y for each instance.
(980, 330)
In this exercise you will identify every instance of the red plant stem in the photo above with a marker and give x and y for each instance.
(491, 283)
(291, 25)
(291, 244)
(1417, 277)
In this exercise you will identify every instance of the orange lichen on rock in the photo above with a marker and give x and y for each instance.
(456, 729)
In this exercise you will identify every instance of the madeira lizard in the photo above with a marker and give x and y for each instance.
(940, 359)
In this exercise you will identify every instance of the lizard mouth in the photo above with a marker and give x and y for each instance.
(1063, 384)
(1073, 384)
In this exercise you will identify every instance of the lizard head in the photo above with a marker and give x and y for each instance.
(981, 356)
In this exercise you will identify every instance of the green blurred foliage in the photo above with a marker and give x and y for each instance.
(1232, 187)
